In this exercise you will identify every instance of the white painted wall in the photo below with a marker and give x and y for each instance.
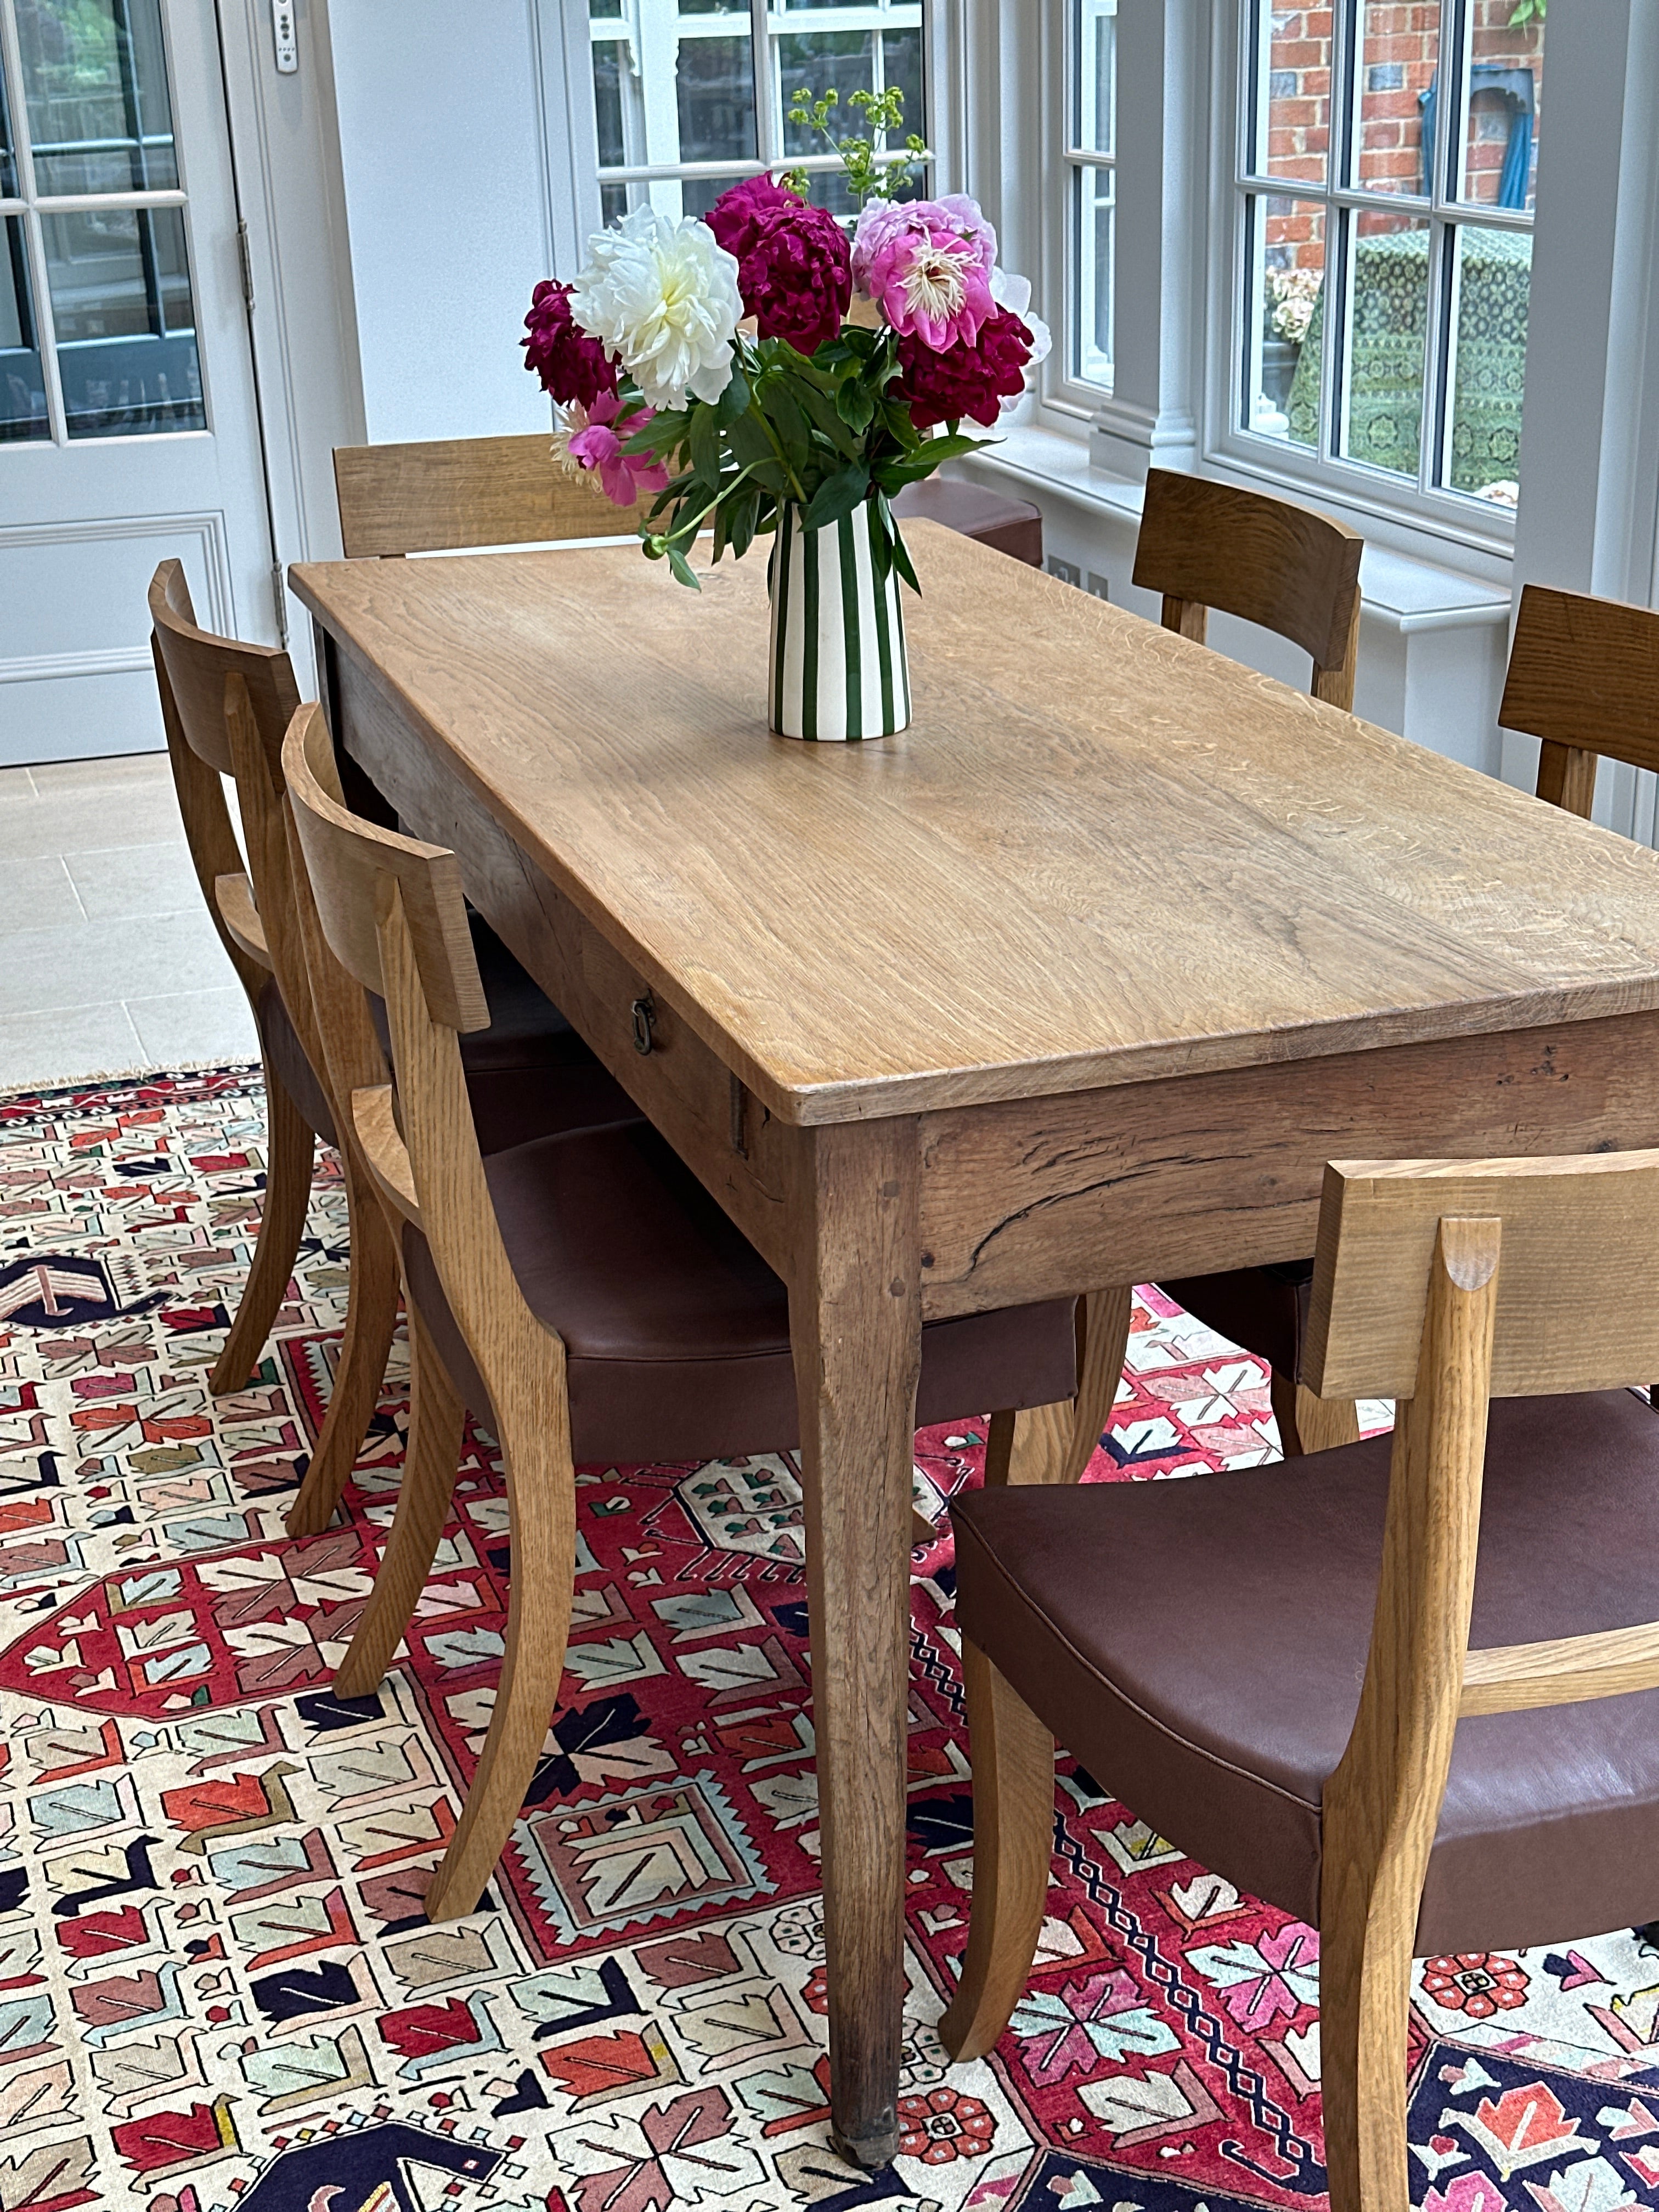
(440, 140)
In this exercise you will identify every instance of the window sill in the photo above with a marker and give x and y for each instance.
(1401, 590)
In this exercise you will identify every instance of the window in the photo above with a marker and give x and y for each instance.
(97, 321)
(1384, 187)
(690, 94)
(1091, 189)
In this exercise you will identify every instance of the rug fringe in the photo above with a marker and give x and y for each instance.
(94, 1076)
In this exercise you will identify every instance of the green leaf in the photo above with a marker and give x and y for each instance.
(704, 449)
(836, 495)
(783, 410)
(856, 404)
(740, 524)
(733, 401)
(828, 415)
(901, 562)
(682, 569)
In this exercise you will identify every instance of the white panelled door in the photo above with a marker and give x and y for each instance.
(129, 424)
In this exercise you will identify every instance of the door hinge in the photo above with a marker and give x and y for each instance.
(245, 255)
(279, 593)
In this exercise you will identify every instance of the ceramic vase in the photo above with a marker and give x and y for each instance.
(838, 667)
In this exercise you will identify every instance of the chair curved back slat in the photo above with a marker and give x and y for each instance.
(1205, 544)
(197, 663)
(350, 863)
(450, 493)
(1578, 1293)
(1584, 677)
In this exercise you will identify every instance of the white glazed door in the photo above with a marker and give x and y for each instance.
(129, 425)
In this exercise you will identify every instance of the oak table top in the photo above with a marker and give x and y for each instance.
(1101, 855)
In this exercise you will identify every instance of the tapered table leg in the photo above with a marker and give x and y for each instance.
(855, 1318)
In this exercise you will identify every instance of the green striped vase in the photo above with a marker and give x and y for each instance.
(839, 671)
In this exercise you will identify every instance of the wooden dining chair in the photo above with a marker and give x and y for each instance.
(224, 707)
(584, 1295)
(1204, 545)
(448, 495)
(1499, 1556)
(1583, 676)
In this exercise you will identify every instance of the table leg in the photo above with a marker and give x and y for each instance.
(855, 1320)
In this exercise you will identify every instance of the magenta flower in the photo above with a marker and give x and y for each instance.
(970, 379)
(794, 271)
(573, 367)
(595, 444)
(926, 264)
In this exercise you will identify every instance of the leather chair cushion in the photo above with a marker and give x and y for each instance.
(1199, 1644)
(1263, 1309)
(676, 1329)
(529, 1074)
(1011, 525)
(283, 1052)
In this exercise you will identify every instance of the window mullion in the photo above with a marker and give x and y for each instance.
(768, 139)
(11, 60)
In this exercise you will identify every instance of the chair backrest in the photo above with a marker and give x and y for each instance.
(224, 707)
(448, 493)
(1584, 677)
(1441, 1283)
(352, 865)
(385, 913)
(1204, 545)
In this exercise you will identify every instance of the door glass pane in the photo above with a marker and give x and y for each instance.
(7, 159)
(95, 81)
(1397, 55)
(1283, 342)
(1506, 84)
(716, 94)
(1491, 280)
(1094, 30)
(1383, 331)
(813, 61)
(22, 386)
(1293, 108)
(124, 322)
(610, 74)
(1092, 242)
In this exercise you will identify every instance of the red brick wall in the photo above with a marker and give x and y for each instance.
(1401, 51)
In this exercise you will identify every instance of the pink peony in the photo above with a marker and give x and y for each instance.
(595, 444)
(970, 379)
(793, 268)
(573, 367)
(926, 264)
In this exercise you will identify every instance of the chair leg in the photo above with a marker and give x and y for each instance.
(371, 1318)
(288, 1151)
(1013, 1762)
(1322, 1424)
(436, 1416)
(1054, 1443)
(541, 1483)
(1364, 1998)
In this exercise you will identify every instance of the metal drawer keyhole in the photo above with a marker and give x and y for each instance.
(645, 1020)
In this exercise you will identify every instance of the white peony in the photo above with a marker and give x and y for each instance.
(1014, 292)
(663, 298)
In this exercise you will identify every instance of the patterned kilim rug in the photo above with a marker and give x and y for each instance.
(216, 1986)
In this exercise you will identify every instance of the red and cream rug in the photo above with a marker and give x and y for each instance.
(218, 1989)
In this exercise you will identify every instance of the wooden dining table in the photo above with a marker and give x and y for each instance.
(1078, 982)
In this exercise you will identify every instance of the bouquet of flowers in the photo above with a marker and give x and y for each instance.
(761, 358)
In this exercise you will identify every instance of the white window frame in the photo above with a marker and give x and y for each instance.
(1072, 398)
(30, 206)
(1455, 517)
(566, 39)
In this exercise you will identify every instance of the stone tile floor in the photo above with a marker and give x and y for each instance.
(108, 961)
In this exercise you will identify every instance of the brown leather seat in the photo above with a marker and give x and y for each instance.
(1263, 1309)
(1013, 526)
(1199, 1645)
(676, 1330)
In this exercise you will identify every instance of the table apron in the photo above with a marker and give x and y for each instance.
(1189, 1176)
(731, 1142)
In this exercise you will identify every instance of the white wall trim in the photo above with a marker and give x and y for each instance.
(206, 529)
(45, 667)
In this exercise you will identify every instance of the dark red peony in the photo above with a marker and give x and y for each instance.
(794, 265)
(964, 380)
(570, 364)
